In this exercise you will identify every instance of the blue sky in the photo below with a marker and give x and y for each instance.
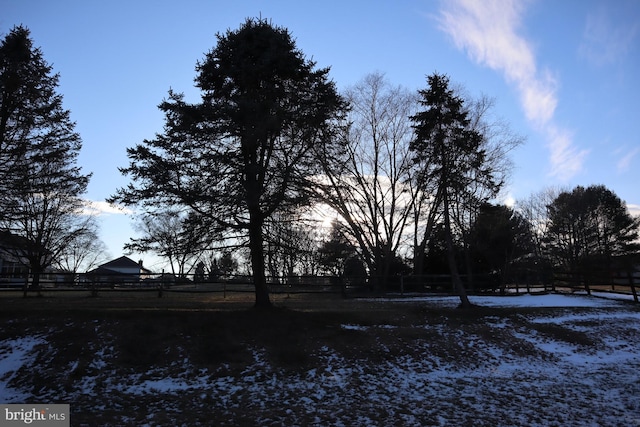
(564, 73)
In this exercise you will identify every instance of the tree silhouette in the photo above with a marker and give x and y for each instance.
(41, 185)
(246, 151)
(497, 237)
(588, 227)
(451, 155)
(171, 235)
(365, 183)
(336, 250)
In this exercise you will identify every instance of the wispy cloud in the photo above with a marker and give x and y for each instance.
(97, 208)
(625, 161)
(604, 42)
(489, 31)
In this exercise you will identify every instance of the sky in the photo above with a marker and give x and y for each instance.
(564, 74)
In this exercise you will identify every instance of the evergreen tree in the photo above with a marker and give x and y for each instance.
(450, 157)
(41, 185)
(246, 151)
(335, 251)
(588, 227)
(497, 237)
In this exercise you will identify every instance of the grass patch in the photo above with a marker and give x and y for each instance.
(565, 334)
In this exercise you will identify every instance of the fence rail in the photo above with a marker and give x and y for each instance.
(296, 284)
(607, 281)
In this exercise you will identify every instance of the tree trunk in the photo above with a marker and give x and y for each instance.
(421, 249)
(257, 261)
(36, 272)
(35, 281)
(632, 285)
(418, 258)
(253, 187)
(453, 268)
(469, 266)
(383, 263)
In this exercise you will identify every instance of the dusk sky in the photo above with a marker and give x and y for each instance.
(565, 74)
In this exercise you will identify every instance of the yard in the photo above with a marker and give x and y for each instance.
(316, 360)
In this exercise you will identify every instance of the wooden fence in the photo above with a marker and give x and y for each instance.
(603, 281)
(162, 284)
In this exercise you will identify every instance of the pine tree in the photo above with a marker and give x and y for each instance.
(40, 183)
(450, 156)
(247, 151)
(588, 227)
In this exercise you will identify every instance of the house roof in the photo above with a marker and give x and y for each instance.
(123, 262)
(9, 240)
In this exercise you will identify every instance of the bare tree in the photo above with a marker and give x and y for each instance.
(535, 210)
(172, 235)
(367, 183)
(85, 252)
(291, 245)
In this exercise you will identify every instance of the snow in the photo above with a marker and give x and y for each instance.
(525, 300)
(14, 353)
(558, 380)
(354, 327)
(549, 300)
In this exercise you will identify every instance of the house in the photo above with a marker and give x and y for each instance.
(120, 271)
(13, 265)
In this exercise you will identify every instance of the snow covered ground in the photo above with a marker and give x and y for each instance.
(574, 363)
(603, 299)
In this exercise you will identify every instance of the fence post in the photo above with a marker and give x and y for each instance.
(612, 278)
(587, 287)
(26, 283)
(632, 285)
(402, 285)
(161, 284)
